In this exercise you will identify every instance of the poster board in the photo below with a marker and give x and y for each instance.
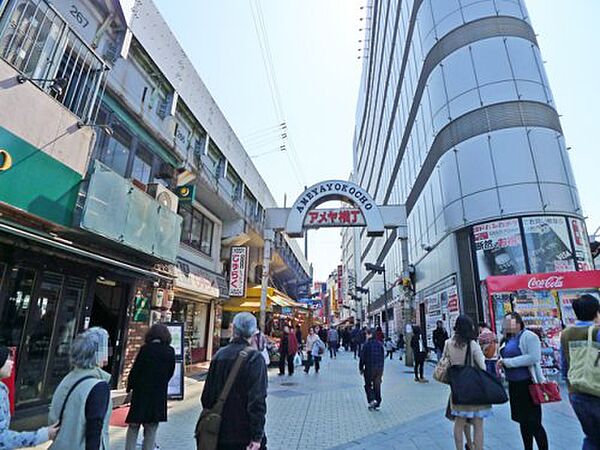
(175, 390)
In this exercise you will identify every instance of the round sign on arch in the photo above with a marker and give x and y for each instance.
(334, 190)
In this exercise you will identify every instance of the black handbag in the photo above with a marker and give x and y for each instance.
(471, 385)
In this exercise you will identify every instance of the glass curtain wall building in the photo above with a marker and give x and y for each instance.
(456, 120)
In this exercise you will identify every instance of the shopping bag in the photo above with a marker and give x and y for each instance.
(584, 367)
(542, 391)
(297, 360)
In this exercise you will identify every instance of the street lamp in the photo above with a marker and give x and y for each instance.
(367, 291)
(381, 269)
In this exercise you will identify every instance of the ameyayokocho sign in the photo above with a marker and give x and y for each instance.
(544, 281)
(334, 190)
(341, 217)
(237, 276)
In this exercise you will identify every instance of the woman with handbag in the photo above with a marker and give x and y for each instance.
(457, 350)
(315, 347)
(520, 358)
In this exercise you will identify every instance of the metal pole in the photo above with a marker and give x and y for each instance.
(385, 301)
(368, 307)
(269, 236)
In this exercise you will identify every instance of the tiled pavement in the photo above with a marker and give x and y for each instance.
(329, 410)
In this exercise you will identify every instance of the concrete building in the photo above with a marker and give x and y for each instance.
(456, 120)
(122, 191)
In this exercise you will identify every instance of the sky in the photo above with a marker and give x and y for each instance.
(314, 48)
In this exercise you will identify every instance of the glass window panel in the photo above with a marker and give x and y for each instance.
(15, 305)
(491, 62)
(450, 22)
(475, 165)
(482, 206)
(522, 59)
(449, 177)
(464, 103)
(458, 71)
(512, 158)
(531, 90)
(116, 152)
(557, 197)
(501, 91)
(143, 161)
(186, 214)
(547, 157)
(478, 9)
(509, 8)
(207, 235)
(437, 94)
(548, 244)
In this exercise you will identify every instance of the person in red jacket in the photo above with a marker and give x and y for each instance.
(379, 334)
(288, 347)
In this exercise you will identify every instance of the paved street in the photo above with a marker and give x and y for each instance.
(329, 411)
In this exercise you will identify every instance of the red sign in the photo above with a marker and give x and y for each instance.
(342, 217)
(237, 276)
(544, 281)
(340, 271)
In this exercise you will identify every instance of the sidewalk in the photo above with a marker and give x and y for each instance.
(329, 411)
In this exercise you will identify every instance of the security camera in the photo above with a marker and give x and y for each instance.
(426, 247)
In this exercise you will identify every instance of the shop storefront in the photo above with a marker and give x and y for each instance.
(438, 302)
(544, 301)
(194, 305)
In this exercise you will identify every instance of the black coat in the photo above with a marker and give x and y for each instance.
(414, 343)
(149, 379)
(245, 410)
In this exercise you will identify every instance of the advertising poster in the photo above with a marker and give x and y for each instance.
(499, 248)
(237, 275)
(175, 388)
(442, 305)
(566, 298)
(548, 244)
(583, 254)
(176, 330)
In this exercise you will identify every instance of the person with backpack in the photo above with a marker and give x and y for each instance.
(148, 382)
(81, 402)
(456, 349)
(579, 353)
(243, 412)
(521, 353)
(10, 439)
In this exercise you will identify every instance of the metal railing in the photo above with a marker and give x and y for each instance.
(38, 42)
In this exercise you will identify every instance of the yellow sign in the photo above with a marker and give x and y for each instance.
(5, 160)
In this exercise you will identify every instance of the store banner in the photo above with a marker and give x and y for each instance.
(548, 244)
(545, 281)
(499, 248)
(340, 276)
(581, 242)
(239, 267)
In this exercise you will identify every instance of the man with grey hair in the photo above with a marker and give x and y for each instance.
(244, 413)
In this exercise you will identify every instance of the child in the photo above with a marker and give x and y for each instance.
(389, 348)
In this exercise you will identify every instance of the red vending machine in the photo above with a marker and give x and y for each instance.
(544, 300)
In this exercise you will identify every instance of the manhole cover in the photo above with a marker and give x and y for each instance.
(289, 384)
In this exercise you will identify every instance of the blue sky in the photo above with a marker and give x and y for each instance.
(314, 53)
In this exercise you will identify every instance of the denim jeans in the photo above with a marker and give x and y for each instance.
(587, 409)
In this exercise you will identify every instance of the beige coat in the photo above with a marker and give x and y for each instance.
(457, 355)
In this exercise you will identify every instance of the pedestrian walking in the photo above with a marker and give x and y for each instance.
(389, 348)
(315, 348)
(400, 345)
(488, 343)
(81, 402)
(520, 355)
(371, 367)
(379, 334)
(455, 349)
(332, 342)
(356, 338)
(322, 332)
(148, 382)
(579, 344)
(244, 412)
(288, 347)
(10, 439)
(298, 337)
(440, 336)
(419, 348)
(260, 343)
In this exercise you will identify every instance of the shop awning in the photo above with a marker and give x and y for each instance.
(251, 302)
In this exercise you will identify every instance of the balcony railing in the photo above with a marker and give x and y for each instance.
(38, 42)
(116, 209)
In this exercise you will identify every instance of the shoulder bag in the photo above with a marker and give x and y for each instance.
(440, 373)
(471, 385)
(543, 391)
(62, 409)
(584, 365)
(209, 423)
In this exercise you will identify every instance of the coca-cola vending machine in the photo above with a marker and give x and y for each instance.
(544, 300)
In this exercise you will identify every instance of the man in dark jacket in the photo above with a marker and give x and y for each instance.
(244, 414)
(440, 336)
(371, 367)
(356, 340)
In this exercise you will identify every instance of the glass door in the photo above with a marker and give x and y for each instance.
(35, 348)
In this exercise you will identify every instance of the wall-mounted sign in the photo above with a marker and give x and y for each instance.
(341, 217)
(499, 248)
(5, 160)
(186, 193)
(237, 275)
(548, 244)
(191, 278)
(340, 274)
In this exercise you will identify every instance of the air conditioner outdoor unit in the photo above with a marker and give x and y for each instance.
(164, 196)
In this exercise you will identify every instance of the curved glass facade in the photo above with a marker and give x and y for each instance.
(456, 120)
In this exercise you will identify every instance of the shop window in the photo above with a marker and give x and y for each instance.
(143, 161)
(548, 244)
(20, 287)
(197, 230)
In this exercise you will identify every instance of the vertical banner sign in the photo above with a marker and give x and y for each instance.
(583, 254)
(340, 273)
(237, 276)
(175, 389)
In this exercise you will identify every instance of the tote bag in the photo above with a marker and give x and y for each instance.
(584, 365)
(472, 386)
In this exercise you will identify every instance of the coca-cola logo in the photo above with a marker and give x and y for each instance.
(553, 282)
